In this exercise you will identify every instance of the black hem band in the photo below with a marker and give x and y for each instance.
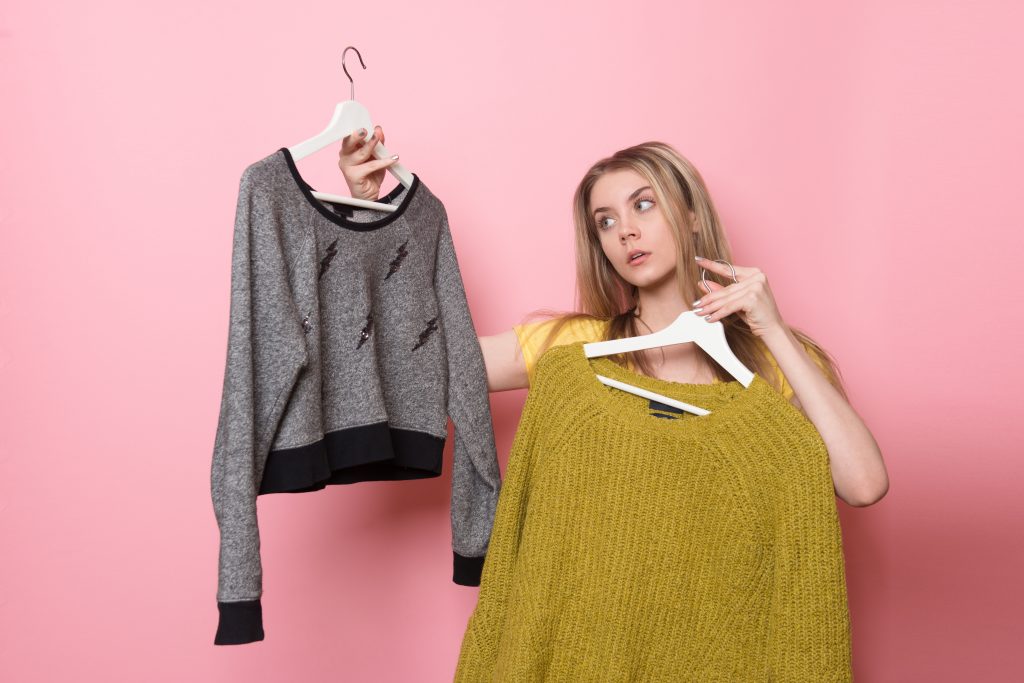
(375, 452)
(240, 622)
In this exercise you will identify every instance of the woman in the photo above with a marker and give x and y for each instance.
(625, 550)
(637, 271)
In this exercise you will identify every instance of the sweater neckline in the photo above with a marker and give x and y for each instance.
(362, 226)
(731, 397)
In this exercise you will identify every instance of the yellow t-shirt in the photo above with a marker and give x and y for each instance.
(532, 334)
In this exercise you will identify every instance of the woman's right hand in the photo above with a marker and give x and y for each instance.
(363, 172)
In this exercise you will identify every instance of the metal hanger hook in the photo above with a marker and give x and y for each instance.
(704, 272)
(351, 82)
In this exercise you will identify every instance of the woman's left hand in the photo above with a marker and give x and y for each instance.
(750, 296)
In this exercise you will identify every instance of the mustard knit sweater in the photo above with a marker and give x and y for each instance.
(631, 547)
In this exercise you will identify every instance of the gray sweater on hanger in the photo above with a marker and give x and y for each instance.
(350, 343)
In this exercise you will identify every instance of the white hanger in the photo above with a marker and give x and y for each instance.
(688, 327)
(350, 116)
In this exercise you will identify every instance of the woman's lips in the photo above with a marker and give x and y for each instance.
(639, 260)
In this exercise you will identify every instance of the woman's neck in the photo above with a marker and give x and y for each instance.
(659, 307)
(679, 362)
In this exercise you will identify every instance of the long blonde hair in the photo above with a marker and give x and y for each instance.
(602, 294)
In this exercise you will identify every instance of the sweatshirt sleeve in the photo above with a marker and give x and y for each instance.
(476, 478)
(265, 352)
(478, 656)
(809, 622)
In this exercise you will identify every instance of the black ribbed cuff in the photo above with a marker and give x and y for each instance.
(468, 570)
(240, 622)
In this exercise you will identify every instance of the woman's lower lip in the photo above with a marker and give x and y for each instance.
(640, 259)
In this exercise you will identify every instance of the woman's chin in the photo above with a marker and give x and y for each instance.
(646, 278)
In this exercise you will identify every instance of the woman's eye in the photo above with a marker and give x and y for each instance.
(601, 221)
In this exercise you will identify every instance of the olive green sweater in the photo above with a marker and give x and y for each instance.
(634, 546)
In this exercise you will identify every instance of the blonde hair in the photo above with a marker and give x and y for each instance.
(602, 294)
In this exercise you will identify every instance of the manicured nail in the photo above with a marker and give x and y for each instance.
(699, 258)
(394, 156)
(698, 310)
(362, 132)
(695, 302)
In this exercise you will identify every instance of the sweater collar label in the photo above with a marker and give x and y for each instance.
(662, 410)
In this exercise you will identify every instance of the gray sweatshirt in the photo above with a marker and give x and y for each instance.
(350, 343)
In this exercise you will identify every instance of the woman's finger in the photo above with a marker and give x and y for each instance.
(727, 308)
(719, 302)
(704, 286)
(720, 292)
(351, 142)
(368, 168)
(366, 151)
(723, 269)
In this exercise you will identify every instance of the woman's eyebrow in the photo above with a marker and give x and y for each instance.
(630, 198)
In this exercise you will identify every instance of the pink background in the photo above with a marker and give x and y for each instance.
(865, 156)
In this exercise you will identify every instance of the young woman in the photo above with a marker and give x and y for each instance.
(616, 553)
(645, 228)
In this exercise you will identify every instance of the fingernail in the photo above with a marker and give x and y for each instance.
(699, 258)
(695, 302)
(362, 132)
(394, 156)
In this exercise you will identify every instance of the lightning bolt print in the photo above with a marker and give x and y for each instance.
(326, 261)
(396, 262)
(431, 328)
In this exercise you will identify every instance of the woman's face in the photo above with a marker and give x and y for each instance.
(628, 220)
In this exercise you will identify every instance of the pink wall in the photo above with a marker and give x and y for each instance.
(865, 156)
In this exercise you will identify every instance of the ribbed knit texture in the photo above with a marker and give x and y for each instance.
(631, 548)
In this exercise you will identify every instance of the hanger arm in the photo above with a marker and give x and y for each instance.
(688, 327)
(652, 395)
(353, 201)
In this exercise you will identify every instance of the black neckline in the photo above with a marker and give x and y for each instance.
(307, 191)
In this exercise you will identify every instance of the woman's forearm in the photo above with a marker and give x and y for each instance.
(858, 470)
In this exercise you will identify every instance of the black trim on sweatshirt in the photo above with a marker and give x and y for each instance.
(307, 191)
(375, 452)
(468, 569)
(240, 622)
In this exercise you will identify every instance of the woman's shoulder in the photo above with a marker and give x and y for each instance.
(572, 327)
(535, 337)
